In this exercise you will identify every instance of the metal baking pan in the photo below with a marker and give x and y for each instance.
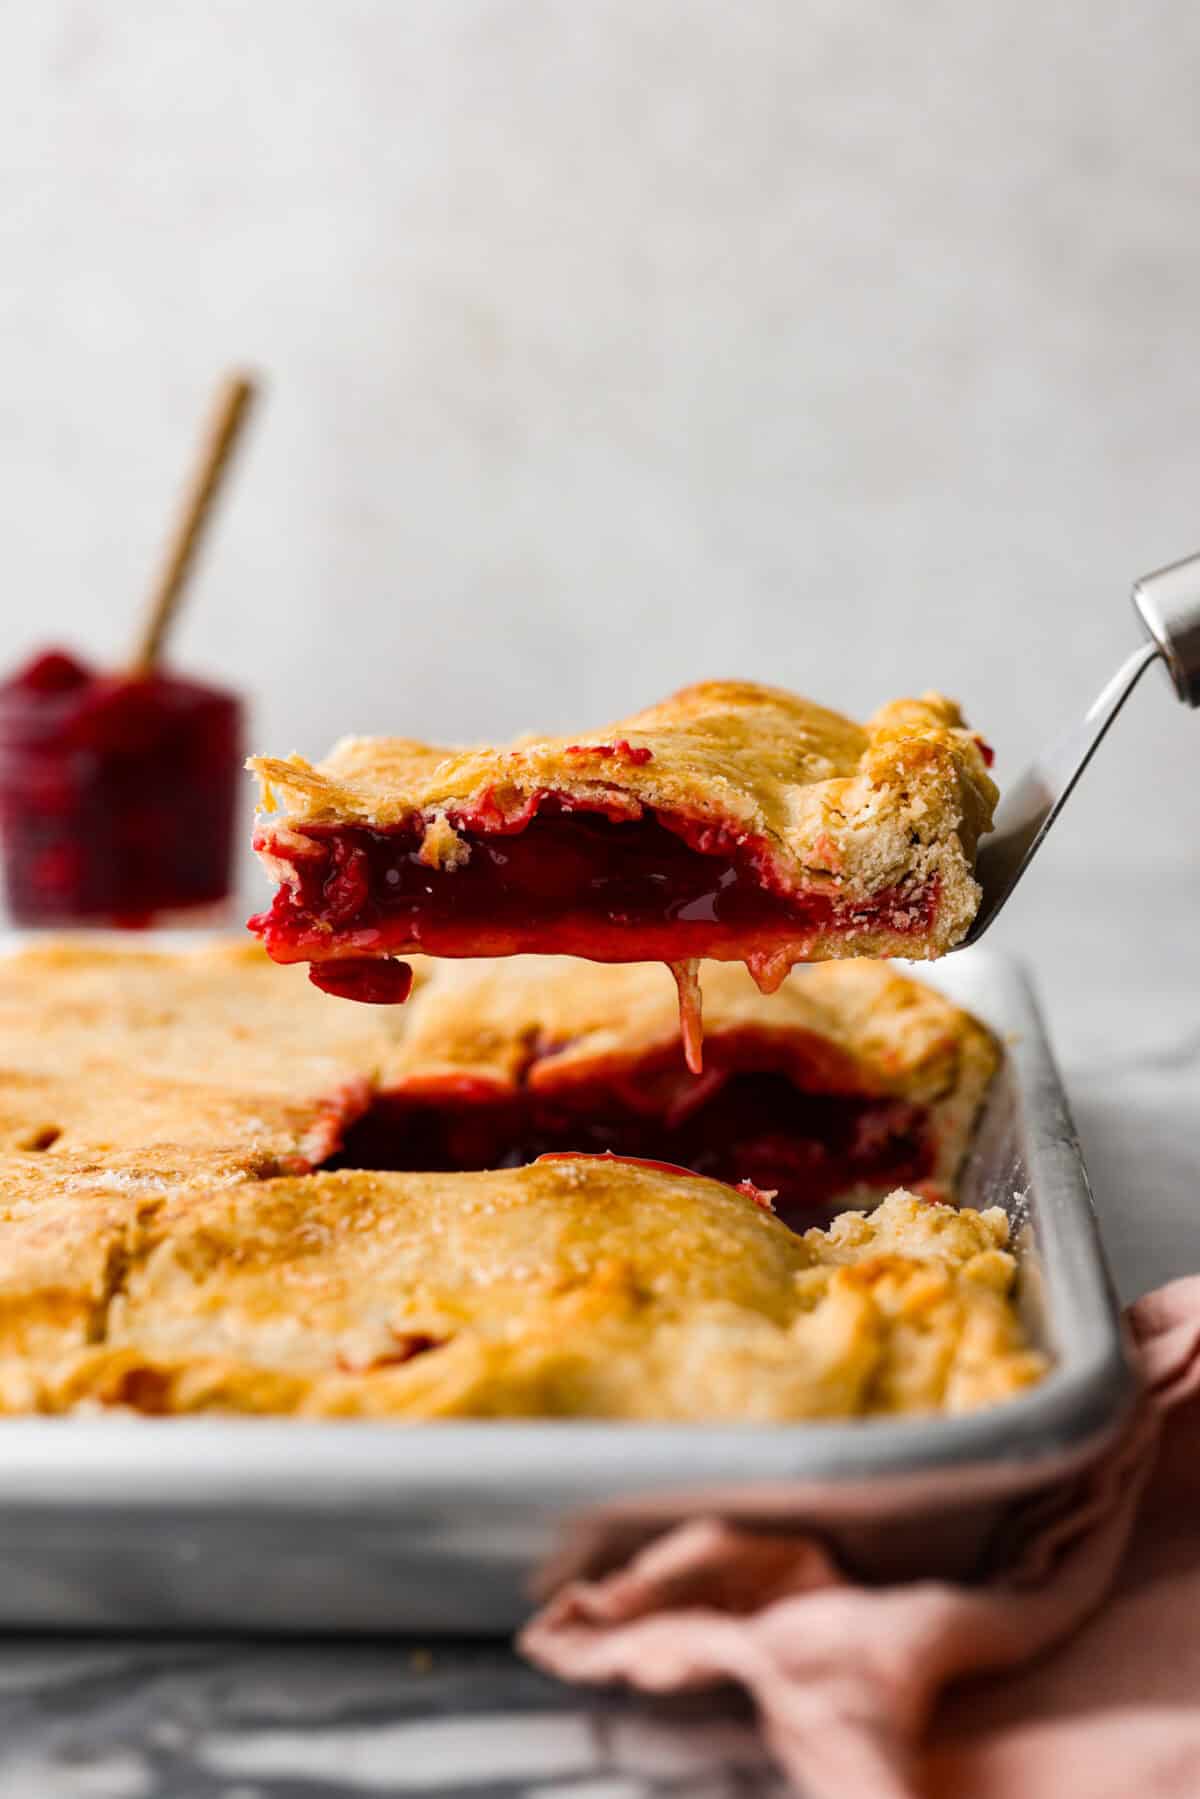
(268, 1524)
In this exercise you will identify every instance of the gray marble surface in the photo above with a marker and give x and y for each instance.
(229, 1720)
(1118, 965)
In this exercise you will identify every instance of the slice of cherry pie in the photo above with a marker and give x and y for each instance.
(733, 822)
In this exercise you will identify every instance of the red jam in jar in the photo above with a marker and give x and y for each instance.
(118, 793)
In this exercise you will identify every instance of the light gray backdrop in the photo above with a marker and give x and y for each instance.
(615, 343)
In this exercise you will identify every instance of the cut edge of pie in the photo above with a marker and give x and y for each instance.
(850, 1080)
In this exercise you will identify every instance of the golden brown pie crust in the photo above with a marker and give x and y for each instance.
(208, 1050)
(156, 1255)
(577, 1288)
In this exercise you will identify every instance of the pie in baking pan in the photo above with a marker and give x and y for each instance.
(221, 1190)
(732, 822)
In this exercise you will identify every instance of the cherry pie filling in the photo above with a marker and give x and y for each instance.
(609, 882)
(746, 1126)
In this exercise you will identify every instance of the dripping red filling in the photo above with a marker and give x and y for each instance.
(755, 1127)
(378, 983)
(555, 879)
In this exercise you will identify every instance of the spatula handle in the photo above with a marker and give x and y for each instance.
(1168, 604)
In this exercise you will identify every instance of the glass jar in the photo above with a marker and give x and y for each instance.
(118, 795)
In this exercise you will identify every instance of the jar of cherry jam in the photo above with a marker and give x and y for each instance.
(118, 794)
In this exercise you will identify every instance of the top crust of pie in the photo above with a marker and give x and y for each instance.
(207, 1058)
(583, 1288)
(832, 802)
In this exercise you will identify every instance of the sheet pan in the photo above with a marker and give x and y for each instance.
(271, 1525)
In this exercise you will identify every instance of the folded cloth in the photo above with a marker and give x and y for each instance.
(848, 1679)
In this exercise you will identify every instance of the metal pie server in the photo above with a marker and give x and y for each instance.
(1168, 605)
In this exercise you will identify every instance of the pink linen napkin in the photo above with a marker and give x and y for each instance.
(848, 1679)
